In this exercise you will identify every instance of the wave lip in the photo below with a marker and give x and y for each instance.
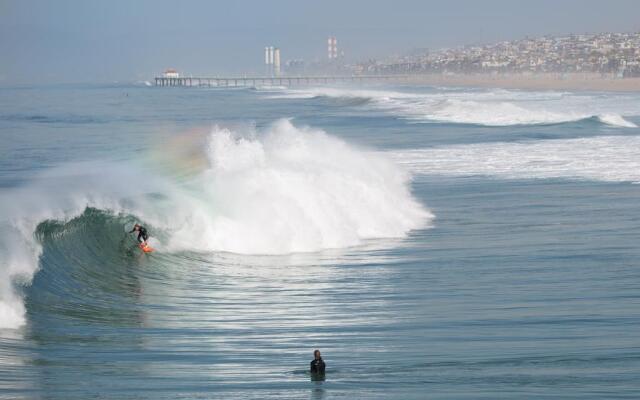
(615, 120)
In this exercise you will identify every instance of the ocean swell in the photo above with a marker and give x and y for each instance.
(489, 108)
(504, 114)
(281, 190)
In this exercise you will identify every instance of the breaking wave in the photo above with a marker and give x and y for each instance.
(506, 114)
(283, 190)
(603, 158)
(489, 108)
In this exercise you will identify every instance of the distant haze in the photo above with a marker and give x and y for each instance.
(105, 41)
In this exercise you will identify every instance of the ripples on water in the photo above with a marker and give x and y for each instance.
(523, 288)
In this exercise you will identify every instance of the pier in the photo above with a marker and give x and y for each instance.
(273, 81)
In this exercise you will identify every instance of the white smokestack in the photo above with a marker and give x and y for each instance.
(276, 61)
(332, 48)
(335, 48)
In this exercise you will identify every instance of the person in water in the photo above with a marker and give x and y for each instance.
(317, 365)
(143, 236)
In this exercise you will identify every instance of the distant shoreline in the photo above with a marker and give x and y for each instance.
(584, 82)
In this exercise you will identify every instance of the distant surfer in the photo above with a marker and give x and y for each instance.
(143, 236)
(317, 365)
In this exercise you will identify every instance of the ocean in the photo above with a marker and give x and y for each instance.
(441, 243)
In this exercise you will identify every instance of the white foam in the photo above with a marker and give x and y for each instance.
(603, 158)
(295, 190)
(495, 107)
(490, 114)
(59, 193)
(308, 93)
(616, 120)
(283, 190)
(269, 88)
(18, 257)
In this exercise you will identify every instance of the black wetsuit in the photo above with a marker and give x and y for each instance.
(143, 236)
(317, 366)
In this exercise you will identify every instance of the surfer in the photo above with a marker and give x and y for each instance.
(143, 236)
(317, 365)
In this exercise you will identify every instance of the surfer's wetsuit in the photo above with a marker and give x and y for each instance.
(143, 236)
(317, 366)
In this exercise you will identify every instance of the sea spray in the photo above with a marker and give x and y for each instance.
(280, 190)
(292, 189)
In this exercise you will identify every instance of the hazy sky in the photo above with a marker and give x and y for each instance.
(109, 40)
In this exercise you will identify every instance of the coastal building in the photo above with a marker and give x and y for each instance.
(295, 67)
(611, 54)
(171, 73)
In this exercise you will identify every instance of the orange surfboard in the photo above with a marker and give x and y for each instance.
(146, 249)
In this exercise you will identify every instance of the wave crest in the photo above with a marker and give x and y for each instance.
(282, 190)
(509, 114)
(488, 108)
(298, 189)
